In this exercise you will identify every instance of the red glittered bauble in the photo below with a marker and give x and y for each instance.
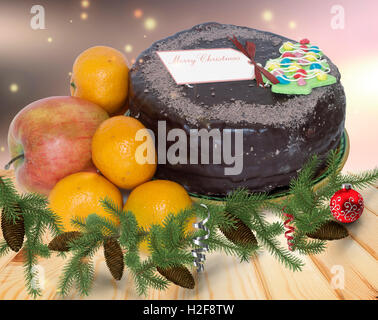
(347, 204)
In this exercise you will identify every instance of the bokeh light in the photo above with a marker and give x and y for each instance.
(84, 16)
(128, 48)
(49, 39)
(132, 61)
(292, 24)
(138, 13)
(2, 149)
(85, 3)
(267, 15)
(13, 87)
(150, 23)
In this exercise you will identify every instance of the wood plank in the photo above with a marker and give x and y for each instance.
(360, 268)
(364, 232)
(370, 196)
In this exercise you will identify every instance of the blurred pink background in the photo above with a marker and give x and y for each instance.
(36, 63)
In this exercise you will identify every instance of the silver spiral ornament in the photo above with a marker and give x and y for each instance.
(197, 253)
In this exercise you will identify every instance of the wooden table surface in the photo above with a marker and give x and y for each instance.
(353, 258)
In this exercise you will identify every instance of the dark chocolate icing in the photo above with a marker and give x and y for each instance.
(280, 131)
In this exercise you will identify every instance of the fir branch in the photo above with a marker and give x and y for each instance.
(49, 219)
(274, 229)
(333, 177)
(107, 226)
(33, 246)
(144, 273)
(8, 199)
(218, 242)
(305, 246)
(284, 256)
(301, 188)
(361, 180)
(129, 231)
(84, 277)
(333, 171)
(4, 248)
(217, 218)
(79, 270)
(29, 263)
(110, 207)
(78, 223)
(264, 234)
(308, 223)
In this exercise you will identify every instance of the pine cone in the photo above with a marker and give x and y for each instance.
(331, 230)
(114, 258)
(13, 232)
(60, 243)
(180, 276)
(239, 233)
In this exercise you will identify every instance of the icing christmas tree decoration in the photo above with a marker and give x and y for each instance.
(300, 68)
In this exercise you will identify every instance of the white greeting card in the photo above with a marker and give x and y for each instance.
(207, 65)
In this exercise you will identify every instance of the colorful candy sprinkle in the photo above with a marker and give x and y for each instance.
(294, 67)
(278, 72)
(315, 65)
(314, 49)
(321, 76)
(302, 61)
(311, 56)
(273, 65)
(288, 46)
(283, 79)
(298, 54)
(288, 54)
(301, 82)
(285, 62)
(304, 48)
(300, 73)
(304, 41)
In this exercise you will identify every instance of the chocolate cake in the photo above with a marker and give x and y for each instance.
(280, 132)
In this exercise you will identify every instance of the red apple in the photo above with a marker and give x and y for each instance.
(51, 138)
